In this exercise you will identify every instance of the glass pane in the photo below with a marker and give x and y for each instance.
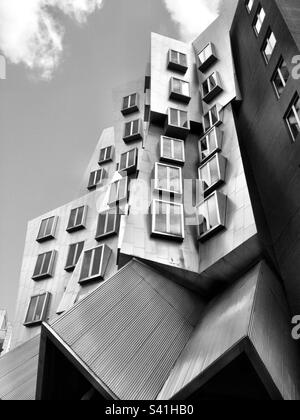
(102, 155)
(178, 150)
(85, 271)
(111, 221)
(71, 256)
(79, 218)
(272, 41)
(108, 152)
(42, 229)
(213, 212)
(285, 71)
(183, 60)
(184, 119)
(205, 88)
(113, 192)
(205, 177)
(206, 122)
(203, 218)
(46, 264)
(31, 309)
(133, 100)
(39, 308)
(126, 102)
(38, 267)
(101, 224)
(214, 115)
(294, 118)
(122, 189)
(123, 162)
(176, 85)
(278, 83)
(49, 226)
(174, 180)
(131, 158)
(79, 250)
(204, 145)
(185, 88)
(162, 182)
(97, 261)
(213, 81)
(214, 171)
(174, 56)
(98, 176)
(92, 179)
(161, 217)
(72, 219)
(135, 127)
(173, 116)
(175, 220)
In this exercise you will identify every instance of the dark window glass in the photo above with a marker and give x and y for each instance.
(97, 261)
(39, 264)
(128, 129)
(293, 118)
(85, 271)
(31, 311)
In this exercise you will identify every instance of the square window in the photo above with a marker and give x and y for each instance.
(96, 178)
(259, 20)
(172, 150)
(177, 61)
(75, 251)
(211, 119)
(167, 220)
(94, 264)
(210, 144)
(77, 219)
(178, 124)
(211, 214)
(211, 87)
(212, 174)
(180, 90)
(168, 179)
(106, 155)
(47, 229)
(280, 77)
(269, 46)
(37, 310)
(207, 57)
(118, 192)
(130, 104)
(128, 162)
(293, 118)
(108, 223)
(44, 266)
(132, 131)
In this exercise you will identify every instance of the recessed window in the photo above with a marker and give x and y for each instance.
(212, 173)
(94, 264)
(96, 178)
(106, 155)
(44, 266)
(210, 144)
(269, 46)
(132, 131)
(168, 179)
(75, 251)
(211, 119)
(77, 219)
(177, 61)
(37, 310)
(207, 57)
(180, 90)
(249, 5)
(211, 215)
(118, 192)
(259, 20)
(128, 162)
(211, 87)
(293, 118)
(47, 229)
(108, 223)
(130, 104)
(280, 77)
(167, 220)
(172, 150)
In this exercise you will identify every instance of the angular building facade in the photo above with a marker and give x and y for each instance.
(162, 280)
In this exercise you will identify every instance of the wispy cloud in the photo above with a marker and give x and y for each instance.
(30, 34)
(193, 16)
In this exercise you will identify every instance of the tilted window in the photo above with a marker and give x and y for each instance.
(132, 131)
(94, 264)
(130, 104)
(77, 219)
(269, 46)
(96, 177)
(212, 173)
(293, 117)
(211, 87)
(212, 118)
(259, 20)
(118, 192)
(178, 118)
(108, 223)
(249, 5)
(44, 265)
(210, 144)
(207, 57)
(211, 214)
(37, 310)
(172, 150)
(180, 90)
(168, 178)
(167, 220)
(177, 61)
(106, 155)
(47, 229)
(128, 161)
(280, 77)
(75, 251)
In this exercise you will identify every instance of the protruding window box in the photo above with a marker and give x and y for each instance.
(210, 144)
(177, 124)
(77, 220)
(130, 104)
(96, 178)
(75, 251)
(213, 118)
(44, 266)
(211, 88)
(108, 223)
(172, 150)
(168, 179)
(212, 173)
(128, 162)
(133, 131)
(180, 90)
(106, 155)
(167, 220)
(211, 216)
(94, 264)
(177, 61)
(118, 193)
(37, 310)
(47, 229)
(207, 57)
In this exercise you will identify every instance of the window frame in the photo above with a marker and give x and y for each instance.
(47, 297)
(106, 252)
(172, 159)
(210, 114)
(132, 168)
(218, 136)
(94, 185)
(209, 60)
(133, 136)
(131, 107)
(180, 96)
(154, 232)
(49, 273)
(266, 44)
(221, 166)
(292, 108)
(81, 225)
(68, 267)
(51, 236)
(221, 207)
(177, 66)
(257, 19)
(249, 5)
(156, 179)
(114, 231)
(212, 91)
(107, 157)
(278, 72)
(122, 199)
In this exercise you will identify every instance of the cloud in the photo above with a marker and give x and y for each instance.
(30, 34)
(193, 16)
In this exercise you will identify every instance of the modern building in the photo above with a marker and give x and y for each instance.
(162, 280)
(5, 332)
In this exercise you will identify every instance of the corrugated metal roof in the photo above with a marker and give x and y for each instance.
(131, 330)
(18, 372)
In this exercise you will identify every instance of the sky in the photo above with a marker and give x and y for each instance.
(64, 58)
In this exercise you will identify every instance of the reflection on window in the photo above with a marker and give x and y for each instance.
(172, 149)
(293, 118)
(168, 178)
(167, 219)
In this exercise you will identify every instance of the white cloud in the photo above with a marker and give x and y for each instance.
(193, 16)
(30, 34)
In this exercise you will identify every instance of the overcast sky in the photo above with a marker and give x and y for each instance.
(63, 63)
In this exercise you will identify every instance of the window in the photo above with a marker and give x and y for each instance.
(96, 178)
(210, 144)
(269, 46)
(211, 119)
(293, 117)
(178, 124)
(132, 131)
(172, 150)
(44, 266)
(130, 104)
(167, 220)
(37, 310)
(118, 191)
(177, 61)
(259, 20)
(77, 219)
(75, 251)
(108, 223)
(47, 229)
(280, 77)
(211, 215)
(211, 87)
(168, 178)
(207, 57)
(212, 173)
(180, 90)
(106, 155)
(94, 264)
(128, 161)
(249, 5)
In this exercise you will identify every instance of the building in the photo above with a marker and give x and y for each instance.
(161, 280)
(5, 333)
